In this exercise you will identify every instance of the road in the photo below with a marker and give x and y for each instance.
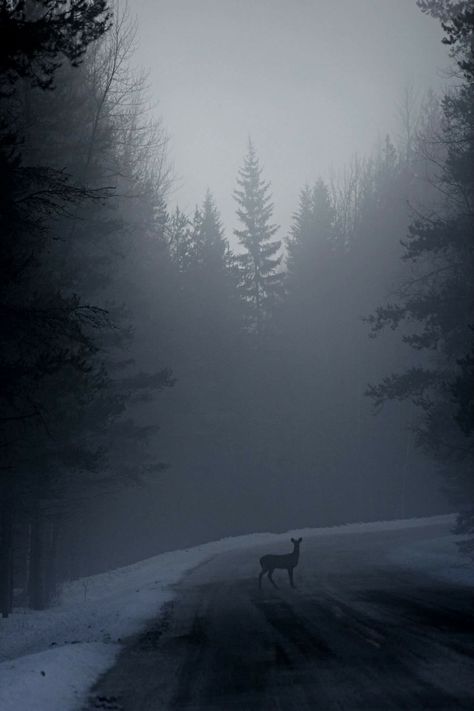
(358, 633)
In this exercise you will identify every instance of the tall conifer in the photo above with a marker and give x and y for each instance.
(260, 281)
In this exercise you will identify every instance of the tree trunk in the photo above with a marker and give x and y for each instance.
(50, 567)
(35, 580)
(6, 557)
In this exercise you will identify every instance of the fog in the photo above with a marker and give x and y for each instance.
(237, 292)
(312, 82)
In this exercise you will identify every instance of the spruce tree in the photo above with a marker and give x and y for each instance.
(36, 37)
(180, 240)
(65, 379)
(215, 247)
(46, 330)
(218, 273)
(301, 232)
(311, 239)
(207, 277)
(437, 298)
(260, 281)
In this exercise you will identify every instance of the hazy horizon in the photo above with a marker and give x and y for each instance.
(309, 103)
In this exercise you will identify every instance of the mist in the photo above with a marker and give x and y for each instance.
(236, 276)
(312, 82)
(236, 355)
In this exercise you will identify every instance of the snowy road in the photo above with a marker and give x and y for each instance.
(357, 633)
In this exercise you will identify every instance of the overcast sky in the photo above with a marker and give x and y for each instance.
(312, 81)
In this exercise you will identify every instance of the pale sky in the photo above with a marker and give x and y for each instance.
(312, 82)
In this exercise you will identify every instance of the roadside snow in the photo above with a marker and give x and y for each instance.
(57, 679)
(49, 659)
(439, 558)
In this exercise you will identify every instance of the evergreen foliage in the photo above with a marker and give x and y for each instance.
(66, 382)
(104, 286)
(261, 284)
(312, 239)
(37, 35)
(437, 298)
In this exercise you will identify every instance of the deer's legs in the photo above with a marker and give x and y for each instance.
(270, 573)
(290, 574)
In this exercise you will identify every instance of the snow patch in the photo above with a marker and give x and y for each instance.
(55, 680)
(439, 558)
(78, 640)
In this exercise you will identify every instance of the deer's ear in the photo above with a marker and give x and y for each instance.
(292, 540)
(300, 540)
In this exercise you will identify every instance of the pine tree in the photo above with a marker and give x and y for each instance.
(438, 297)
(261, 284)
(301, 233)
(206, 277)
(311, 241)
(218, 274)
(46, 330)
(215, 248)
(180, 240)
(35, 37)
(65, 380)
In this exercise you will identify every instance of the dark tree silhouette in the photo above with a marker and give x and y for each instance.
(261, 283)
(37, 35)
(438, 299)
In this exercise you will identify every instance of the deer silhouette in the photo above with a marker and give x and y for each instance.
(287, 561)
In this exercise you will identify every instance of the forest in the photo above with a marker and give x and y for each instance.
(165, 380)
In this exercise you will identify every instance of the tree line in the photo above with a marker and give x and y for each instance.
(121, 316)
(80, 173)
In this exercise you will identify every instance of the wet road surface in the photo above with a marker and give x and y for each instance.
(358, 633)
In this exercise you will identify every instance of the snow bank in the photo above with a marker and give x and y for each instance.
(76, 641)
(55, 680)
(439, 558)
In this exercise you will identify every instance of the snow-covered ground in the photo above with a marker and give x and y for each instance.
(438, 558)
(49, 659)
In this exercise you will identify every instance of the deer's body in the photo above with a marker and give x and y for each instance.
(287, 561)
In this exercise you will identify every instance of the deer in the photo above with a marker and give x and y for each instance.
(288, 560)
